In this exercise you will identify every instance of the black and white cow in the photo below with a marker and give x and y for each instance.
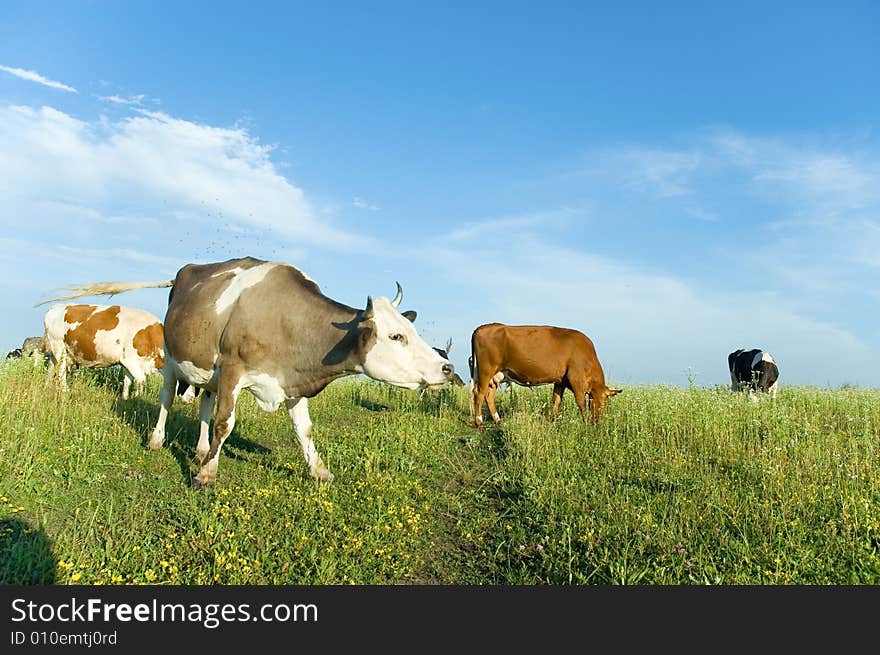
(753, 370)
(267, 327)
(444, 353)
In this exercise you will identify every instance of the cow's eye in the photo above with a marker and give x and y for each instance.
(396, 337)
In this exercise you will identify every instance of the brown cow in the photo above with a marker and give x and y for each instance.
(532, 355)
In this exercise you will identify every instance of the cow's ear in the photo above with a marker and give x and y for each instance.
(410, 314)
(367, 336)
(368, 312)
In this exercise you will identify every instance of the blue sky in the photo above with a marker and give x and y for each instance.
(676, 180)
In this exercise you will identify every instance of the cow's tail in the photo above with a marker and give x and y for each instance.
(472, 361)
(105, 289)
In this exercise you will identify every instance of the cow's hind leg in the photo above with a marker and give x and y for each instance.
(166, 397)
(61, 369)
(127, 379)
(135, 377)
(298, 409)
(206, 410)
(224, 421)
(558, 390)
(479, 396)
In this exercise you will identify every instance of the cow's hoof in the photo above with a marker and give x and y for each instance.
(156, 441)
(198, 485)
(322, 474)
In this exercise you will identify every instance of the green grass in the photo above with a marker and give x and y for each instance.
(674, 486)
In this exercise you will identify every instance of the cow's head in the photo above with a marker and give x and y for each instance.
(444, 353)
(393, 352)
(599, 399)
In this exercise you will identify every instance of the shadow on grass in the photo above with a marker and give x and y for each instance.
(25, 554)
(372, 406)
(746, 474)
(109, 378)
(182, 434)
(651, 484)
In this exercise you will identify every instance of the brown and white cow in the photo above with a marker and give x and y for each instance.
(98, 336)
(532, 355)
(266, 327)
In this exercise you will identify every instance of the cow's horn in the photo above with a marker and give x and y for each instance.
(449, 345)
(398, 297)
(368, 312)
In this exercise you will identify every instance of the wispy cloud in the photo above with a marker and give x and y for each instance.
(659, 172)
(503, 225)
(360, 203)
(33, 76)
(666, 173)
(135, 100)
(809, 207)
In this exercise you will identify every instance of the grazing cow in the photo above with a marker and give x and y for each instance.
(266, 327)
(35, 347)
(31, 346)
(753, 370)
(444, 353)
(532, 355)
(98, 336)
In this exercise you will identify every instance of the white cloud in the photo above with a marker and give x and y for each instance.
(33, 76)
(119, 100)
(151, 164)
(136, 198)
(498, 227)
(360, 203)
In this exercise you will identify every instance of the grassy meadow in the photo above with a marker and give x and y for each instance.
(675, 486)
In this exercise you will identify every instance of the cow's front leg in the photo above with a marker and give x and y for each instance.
(298, 409)
(490, 402)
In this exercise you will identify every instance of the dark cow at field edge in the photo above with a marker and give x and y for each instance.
(531, 355)
(30, 347)
(753, 370)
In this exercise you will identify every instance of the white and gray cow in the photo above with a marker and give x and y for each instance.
(266, 327)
